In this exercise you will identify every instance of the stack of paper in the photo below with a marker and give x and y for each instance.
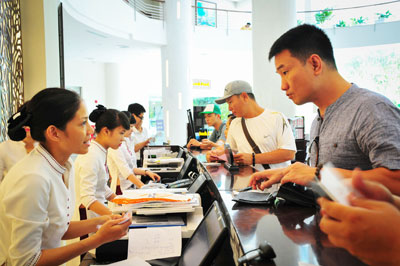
(157, 220)
(156, 202)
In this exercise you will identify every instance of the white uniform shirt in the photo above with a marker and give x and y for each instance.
(35, 207)
(121, 163)
(139, 137)
(270, 131)
(91, 176)
(10, 153)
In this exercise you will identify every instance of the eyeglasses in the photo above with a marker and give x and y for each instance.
(141, 117)
(313, 143)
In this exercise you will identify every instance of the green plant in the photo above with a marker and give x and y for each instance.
(341, 24)
(300, 22)
(323, 15)
(384, 15)
(358, 21)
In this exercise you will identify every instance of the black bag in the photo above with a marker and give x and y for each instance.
(291, 193)
(288, 194)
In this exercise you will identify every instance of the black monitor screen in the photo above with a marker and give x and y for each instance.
(206, 240)
(191, 132)
(189, 165)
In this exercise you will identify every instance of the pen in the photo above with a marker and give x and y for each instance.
(246, 189)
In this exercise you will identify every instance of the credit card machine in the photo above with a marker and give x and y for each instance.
(180, 183)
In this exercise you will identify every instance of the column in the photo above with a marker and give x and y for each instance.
(175, 61)
(39, 20)
(270, 20)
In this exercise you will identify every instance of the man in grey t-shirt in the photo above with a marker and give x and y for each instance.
(212, 115)
(355, 127)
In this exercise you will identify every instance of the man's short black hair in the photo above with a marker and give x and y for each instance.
(136, 108)
(251, 96)
(303, 41)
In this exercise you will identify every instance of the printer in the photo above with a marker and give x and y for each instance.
(164, 165)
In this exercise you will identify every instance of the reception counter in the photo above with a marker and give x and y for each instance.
(292, 231)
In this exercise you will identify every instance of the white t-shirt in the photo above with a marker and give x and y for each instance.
(91, 176)
(139, 137)
(121, 163)
(10, 153)
(270, 131)
(36, 205)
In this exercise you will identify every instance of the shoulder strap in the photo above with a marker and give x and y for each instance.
(253, 145)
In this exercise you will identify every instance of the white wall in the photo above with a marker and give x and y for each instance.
(116, 85)
(221, 67)
(134, 80)
(90, 76)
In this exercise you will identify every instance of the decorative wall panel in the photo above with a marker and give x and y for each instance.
(11, 78)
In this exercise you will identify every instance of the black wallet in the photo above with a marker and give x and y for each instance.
(253, 197)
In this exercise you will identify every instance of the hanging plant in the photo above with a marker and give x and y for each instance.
(323, 15)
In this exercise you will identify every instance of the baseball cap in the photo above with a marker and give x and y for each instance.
(211, 108)
(234, 88)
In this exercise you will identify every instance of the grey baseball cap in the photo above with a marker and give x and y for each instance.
(234, 88)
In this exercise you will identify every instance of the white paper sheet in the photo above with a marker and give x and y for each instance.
(155, 242)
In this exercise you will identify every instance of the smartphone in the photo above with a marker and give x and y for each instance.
(333, 185)
(127, 216)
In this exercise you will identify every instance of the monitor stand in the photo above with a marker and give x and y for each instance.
(231, 167)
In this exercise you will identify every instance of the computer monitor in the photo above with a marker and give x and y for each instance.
(189, 165)
(191, 134)
(203, 246)
(205, 187)
(197, 184)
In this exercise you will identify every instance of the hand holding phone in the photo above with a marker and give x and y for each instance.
(333, 185)
(127, 216)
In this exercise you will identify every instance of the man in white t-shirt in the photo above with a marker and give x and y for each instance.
(269, 130)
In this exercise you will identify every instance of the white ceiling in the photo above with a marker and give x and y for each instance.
(84, 42)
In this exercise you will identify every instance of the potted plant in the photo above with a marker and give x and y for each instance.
(358, 21)
(382, 16)
(323, 15)
(341, 24)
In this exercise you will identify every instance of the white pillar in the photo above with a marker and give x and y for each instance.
(271, 19)
(175, 60)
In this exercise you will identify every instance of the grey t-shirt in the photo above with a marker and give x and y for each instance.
(218, 134)
(361, 129)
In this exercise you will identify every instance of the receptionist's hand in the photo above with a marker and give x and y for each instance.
(266, 178)
(298, 173)
(193, 142)
(153, 176)
(112, 230)
(243, 158)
